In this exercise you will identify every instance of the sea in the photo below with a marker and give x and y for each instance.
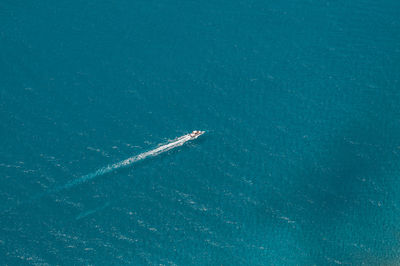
(299, 163)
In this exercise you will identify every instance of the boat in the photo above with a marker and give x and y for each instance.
(196, 133)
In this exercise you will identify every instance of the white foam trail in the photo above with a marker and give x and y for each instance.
(102, 171)
(90, 212)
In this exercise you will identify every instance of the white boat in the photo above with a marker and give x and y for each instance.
(195, 134)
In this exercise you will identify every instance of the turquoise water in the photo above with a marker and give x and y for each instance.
(299, 165)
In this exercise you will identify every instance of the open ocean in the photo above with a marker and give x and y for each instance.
(299, 165)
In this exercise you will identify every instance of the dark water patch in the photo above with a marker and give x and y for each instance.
(343, 193)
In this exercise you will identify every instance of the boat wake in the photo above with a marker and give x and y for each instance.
(127, 162)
